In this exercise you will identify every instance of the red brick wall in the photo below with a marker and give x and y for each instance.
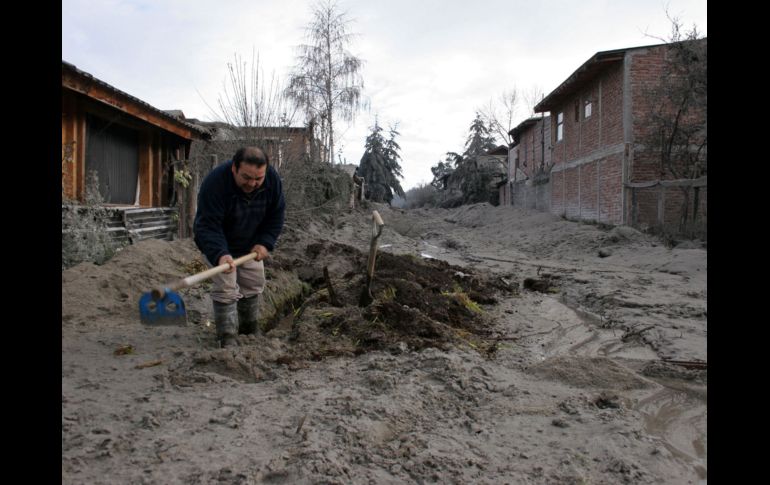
(650, 200)
(605, 125)
(530, 148)
(611, 183)
(572, 203)
(612, 105)
(592, 191)
(588, 191)
(589, 127)
(646, 68)
(557, 194)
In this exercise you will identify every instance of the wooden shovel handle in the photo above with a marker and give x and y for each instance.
(159, 293)
(377, 218)
(376, 231)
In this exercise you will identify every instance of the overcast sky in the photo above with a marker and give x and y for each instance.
(429, 64)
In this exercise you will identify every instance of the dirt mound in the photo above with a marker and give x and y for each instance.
(417, 304)
(94, 295)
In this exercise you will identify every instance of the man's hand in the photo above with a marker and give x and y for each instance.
(229, 260)
(261, 252)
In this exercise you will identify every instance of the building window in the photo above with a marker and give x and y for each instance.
(560, 126)
(587, 109)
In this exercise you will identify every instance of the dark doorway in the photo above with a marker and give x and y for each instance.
(112, 151)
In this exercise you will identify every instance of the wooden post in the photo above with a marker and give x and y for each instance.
(182, 204)
(696, 202)
(193, 202)
(661, 204)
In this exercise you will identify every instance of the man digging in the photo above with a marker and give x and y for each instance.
(241, 210)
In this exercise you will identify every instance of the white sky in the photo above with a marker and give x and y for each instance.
(429, 64)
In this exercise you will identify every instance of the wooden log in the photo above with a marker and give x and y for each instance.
(332, 295)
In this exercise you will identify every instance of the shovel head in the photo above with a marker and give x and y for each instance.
(168, 310)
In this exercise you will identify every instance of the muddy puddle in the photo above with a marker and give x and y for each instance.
(677, 418)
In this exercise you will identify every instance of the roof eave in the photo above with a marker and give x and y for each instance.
(84, 83)
(587, 71)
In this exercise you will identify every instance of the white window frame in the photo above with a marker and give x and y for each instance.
(587, 109)
(560, 126)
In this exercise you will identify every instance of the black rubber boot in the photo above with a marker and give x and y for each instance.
(226, 320)
(248, 312)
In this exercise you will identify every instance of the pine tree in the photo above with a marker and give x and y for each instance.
(480, 139)
(474, 181)
(380, 166)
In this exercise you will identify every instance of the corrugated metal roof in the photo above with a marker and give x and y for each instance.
(149, 107)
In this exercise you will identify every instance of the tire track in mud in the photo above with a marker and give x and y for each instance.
(674, 415)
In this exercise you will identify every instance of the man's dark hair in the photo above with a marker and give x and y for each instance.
(251, 155)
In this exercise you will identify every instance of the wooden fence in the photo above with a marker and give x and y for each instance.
(660, 205)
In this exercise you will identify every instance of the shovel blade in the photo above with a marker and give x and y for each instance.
(168, 310)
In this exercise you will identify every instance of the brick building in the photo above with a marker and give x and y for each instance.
(530, 156)
(281, 143)
(602, 170)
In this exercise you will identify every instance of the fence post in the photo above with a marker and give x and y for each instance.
(181, 203)
(193, 202)
(661, 205)
(696, 202)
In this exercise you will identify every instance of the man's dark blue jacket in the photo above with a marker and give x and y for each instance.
(230, 221)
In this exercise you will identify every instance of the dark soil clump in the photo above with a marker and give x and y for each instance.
(417, 304)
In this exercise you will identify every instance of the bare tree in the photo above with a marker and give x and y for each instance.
(531, 97)
(249, 101)
(326, 81)
(499, 114)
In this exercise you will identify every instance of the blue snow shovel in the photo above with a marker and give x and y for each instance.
(162, 306)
